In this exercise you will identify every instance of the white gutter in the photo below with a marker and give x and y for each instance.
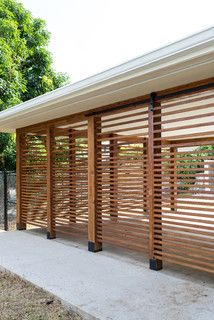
(190, 48)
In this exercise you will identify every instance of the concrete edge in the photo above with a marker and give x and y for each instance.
(72, 308)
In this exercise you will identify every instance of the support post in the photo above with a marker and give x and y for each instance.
(51, 233)
(93, 244)
(154, 116)
(20, 224)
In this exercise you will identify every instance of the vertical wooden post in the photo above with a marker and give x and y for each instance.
(93, 244)
(20, 224)
(114, 151)
(155, 264)
(72, 175)
(51, 233)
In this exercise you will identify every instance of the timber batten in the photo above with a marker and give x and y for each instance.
(138, 174)
(70, 180)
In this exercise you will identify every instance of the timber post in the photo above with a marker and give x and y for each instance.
(154, 117)
(51, 233)
(20, 224)
(93, 244)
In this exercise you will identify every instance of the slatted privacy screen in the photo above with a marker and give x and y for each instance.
(151, 180)
(184, 181)
(70, 178)
(122, 209)
(34, 179)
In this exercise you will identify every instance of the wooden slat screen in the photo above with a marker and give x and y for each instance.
(184, 181)
(151, 177)
(34, 179)
(122, 179)
(70, 179)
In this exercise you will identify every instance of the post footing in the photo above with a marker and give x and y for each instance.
(94, 247)
(155, 264)
(50, 236)
(20, 226)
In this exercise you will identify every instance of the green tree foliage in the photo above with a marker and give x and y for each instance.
(25, 63)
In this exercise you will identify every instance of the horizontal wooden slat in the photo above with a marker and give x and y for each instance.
(184, 182)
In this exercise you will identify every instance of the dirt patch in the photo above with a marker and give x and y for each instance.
(20, 300)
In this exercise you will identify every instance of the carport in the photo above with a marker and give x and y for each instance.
(125, 157)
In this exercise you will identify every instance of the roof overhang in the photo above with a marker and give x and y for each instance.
(185, 61)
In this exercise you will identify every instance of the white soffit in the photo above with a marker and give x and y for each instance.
(187, 60)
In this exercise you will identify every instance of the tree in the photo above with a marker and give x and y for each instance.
(26, 69)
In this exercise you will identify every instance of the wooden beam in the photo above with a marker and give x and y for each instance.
(93, 244)
(51, 233)
(81, 116)
(188, 88)
(66, 120)
(20, 224)
(155, 264)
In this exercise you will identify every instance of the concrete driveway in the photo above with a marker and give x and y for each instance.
(107, 285)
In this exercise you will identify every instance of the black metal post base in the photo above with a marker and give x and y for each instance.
(94, 247)
(155, 264)
(20, 226)
(50, 236)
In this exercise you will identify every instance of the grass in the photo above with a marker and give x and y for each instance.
(20, 300)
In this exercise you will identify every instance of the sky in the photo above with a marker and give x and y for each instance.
(90, 36)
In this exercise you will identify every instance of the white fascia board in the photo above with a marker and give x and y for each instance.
(188, 49)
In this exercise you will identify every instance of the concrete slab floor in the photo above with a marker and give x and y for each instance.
(113, 284)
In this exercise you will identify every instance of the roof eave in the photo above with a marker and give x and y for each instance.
(152, 64)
